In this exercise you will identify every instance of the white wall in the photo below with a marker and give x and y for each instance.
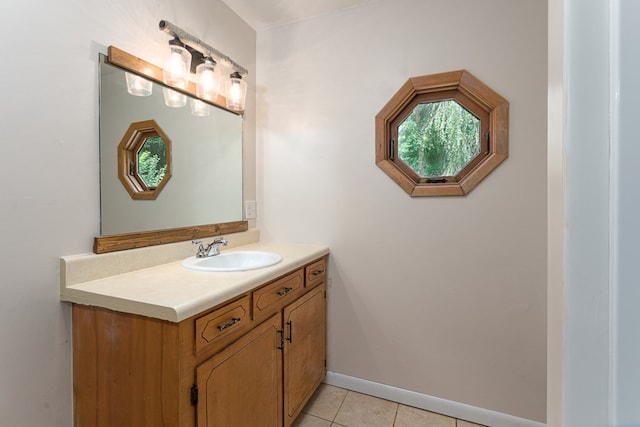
(49, 200)
(555, 215)
(627, 212)
(593, 286)
(586, 221)
(442, 296)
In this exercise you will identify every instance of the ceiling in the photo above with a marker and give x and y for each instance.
(262, 14)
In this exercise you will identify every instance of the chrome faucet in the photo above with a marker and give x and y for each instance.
(211, 249)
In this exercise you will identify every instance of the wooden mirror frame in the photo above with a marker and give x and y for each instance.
(119, 242)
(476, 97)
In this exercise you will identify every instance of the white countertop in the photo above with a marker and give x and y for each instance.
(171, 292)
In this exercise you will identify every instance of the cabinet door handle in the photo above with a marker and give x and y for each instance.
(317, 272)
(229, 324)
(281, 332)
(283, 292)
(290, 337)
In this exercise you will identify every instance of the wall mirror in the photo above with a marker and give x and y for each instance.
(203, 196)
(441, 134)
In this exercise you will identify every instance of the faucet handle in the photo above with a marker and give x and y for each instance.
(220, 240)
(201, 249)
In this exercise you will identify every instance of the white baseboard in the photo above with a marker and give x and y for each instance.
(434, 404)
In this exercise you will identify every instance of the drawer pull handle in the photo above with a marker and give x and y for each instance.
(283, 292)
(229, 324)
(317, 272)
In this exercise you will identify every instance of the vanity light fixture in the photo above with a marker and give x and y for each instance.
(199, 108)
(176, 70)
(236, 92)
(137, 85)
(207, 80)
(174, 98)
(208, 75)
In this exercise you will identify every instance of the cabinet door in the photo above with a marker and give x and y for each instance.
(242, 385)
(304, 350)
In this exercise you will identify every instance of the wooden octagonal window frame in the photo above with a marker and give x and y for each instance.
(461, 86)
(130, 144)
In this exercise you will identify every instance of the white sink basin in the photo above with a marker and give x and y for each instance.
(233, 261)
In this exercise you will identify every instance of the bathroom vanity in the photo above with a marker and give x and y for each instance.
(156, 343)
(166, 346)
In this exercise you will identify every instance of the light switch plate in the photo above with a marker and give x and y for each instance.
(250, 209)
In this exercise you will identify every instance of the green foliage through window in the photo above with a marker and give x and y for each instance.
(438, 139)
(152, 161)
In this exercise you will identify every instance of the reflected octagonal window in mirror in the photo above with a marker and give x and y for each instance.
(144, 160)
(440, 135)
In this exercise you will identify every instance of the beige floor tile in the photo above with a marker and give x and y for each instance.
(306, 420)
(414, 417)
(462, 423)
(325, 402)
(361, 410)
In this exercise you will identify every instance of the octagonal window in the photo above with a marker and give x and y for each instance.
(440, 135)
(144, 160)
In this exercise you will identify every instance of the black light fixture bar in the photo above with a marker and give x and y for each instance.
(196, 44)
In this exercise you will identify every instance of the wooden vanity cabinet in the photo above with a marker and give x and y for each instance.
(242, 385)
(304, 350)
(231, 366)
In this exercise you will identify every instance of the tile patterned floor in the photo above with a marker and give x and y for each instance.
(336, 407)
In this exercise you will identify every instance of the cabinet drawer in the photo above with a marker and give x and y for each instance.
(315, 273)
(227, 321)
(275, 295)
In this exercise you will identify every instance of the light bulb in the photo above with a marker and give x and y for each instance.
(236, 92)
(174, 99)
(199, 108)
(137, 85)
(176, 70)
(207, 80)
